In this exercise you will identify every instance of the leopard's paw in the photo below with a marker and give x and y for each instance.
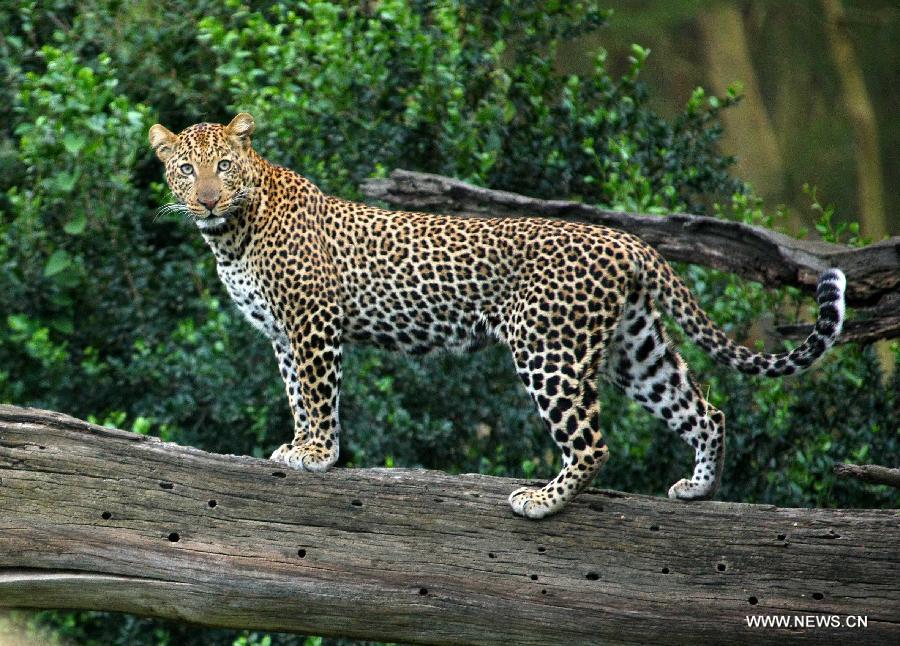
(532, 503)
(686, 489)
(305, 457)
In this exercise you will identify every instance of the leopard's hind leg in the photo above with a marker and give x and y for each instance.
(650, 372)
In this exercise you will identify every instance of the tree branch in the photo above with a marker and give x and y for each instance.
(755, 253)
(871, 473)
(96, 518)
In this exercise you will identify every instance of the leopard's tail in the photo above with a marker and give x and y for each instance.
(675, 298)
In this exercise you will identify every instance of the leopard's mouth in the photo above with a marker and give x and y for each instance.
(210, 223)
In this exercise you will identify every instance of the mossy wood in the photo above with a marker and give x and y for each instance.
(103, 519)
(753, 252)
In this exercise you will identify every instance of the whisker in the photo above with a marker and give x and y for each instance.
(171, 208)
(238, 201)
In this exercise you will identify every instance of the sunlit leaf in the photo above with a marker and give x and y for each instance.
(59, 261)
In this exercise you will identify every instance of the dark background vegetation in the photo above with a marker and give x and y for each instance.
(114, 314)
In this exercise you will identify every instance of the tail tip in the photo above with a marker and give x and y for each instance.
(834, 276)
(830, 296)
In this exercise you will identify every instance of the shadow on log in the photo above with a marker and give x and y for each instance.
(102, 519)
(752, 252)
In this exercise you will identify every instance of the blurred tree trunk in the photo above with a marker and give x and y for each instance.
(748, 127)
(792, 103)
(869, 177)
(862, 119)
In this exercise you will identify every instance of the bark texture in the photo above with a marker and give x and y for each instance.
(872, 473)
(103, 519)
(755, 253)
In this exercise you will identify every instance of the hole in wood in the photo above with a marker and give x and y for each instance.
(665, 570)
(753, 601)
(166, 485)
(356, 502)
(542, 549)
(476, 495)
(423, 591)
(781, 537)
(543, 592)
(595, 506)
(818, 596)
(591, 576)
(106, 515)
(279, 474)
(174, 537)
(534, 577)
(301, 553)
(212, 503)
(654, 528)
(439, 500)
(491, 555)
(831, 534)
(42, 447)
(721, 567)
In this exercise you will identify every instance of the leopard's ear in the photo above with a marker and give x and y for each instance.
(163, 142)
(241, 127)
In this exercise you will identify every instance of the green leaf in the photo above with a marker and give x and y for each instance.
(64, 325)
(65, 182)
(76, 225)
(17, 322)
(59, 260)
(73, 143)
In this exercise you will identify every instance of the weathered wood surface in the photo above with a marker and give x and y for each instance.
(756, 253)
(104, 519)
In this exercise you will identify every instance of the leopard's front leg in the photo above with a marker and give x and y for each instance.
(287, 367)
(316, 351)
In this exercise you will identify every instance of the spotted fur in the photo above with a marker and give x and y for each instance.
(572, 302)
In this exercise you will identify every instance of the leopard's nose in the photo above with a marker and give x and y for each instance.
(209, 201)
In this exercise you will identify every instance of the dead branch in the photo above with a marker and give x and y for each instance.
(871, 473)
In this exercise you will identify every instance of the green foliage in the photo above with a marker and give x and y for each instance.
(103, 628)
(458, 88)
(846, 232)
(113, 314)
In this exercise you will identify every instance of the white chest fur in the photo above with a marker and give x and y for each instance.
(246, 293)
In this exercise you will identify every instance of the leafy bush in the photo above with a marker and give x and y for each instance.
(460, 88)
(116, 315)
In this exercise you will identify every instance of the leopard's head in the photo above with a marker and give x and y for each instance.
(209, 168)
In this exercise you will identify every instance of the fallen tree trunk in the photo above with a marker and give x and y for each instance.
(755, 253)
(103, 519)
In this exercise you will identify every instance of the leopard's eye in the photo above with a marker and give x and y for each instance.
(224, 165)
(187, 169)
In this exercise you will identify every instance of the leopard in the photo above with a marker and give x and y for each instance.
(574, 303)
